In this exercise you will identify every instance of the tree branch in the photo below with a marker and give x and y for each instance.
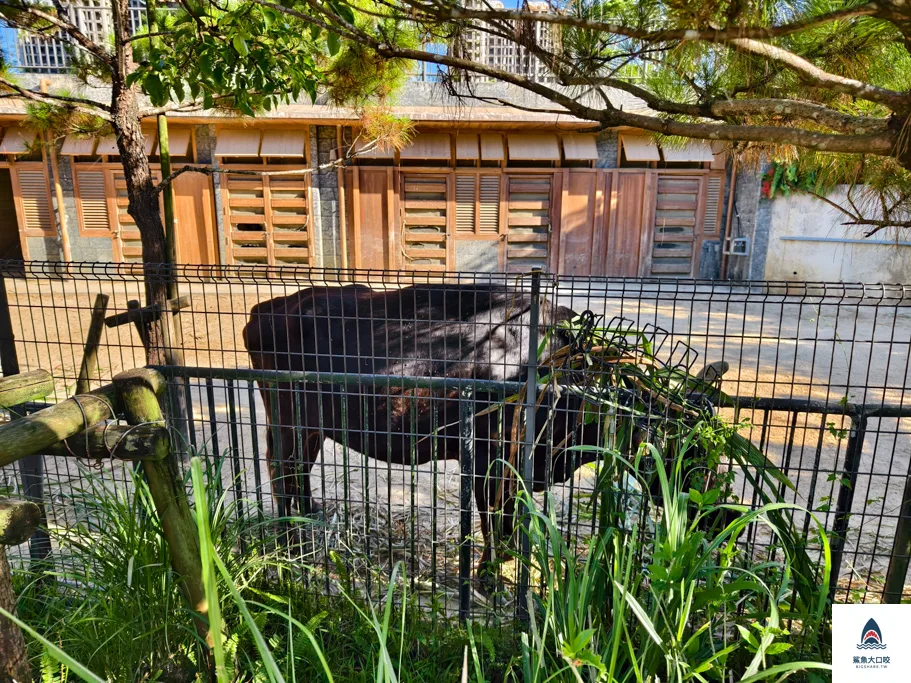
(813, 75)
(193, 105)
(91, 107)
(147, 36)
(216, 170)
(882, 144)
(438, 11)
(719, 109)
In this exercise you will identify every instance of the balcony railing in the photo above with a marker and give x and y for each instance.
(25, 51)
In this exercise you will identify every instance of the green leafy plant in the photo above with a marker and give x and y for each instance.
(607, 615)
(785, 178)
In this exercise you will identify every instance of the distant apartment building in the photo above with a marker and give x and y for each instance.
(499, 52)
(25, 51)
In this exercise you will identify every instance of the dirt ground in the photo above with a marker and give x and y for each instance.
(778, 344)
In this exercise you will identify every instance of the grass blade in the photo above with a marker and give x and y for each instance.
(54, 651)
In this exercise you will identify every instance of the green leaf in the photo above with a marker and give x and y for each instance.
(774, 671)
(641, 615)
(240, 45)
(778, 648)
(748, 637)
(333, 42)
(155, 89)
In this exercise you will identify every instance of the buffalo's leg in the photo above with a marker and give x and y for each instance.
(487, 573)
(313, 443)
(497, 527)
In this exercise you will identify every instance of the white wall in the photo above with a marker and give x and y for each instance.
(842, 254)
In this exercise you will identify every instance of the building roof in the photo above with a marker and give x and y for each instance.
(423, 102)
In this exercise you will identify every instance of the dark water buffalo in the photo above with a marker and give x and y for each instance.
(426, 331)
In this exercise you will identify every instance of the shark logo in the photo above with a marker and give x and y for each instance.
(871, 637)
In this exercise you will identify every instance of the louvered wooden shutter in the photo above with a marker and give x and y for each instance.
(93, 201)
(246, 219)
(529, 222)
(712, 222)
(130, 240)
(288, 217)
(268, 219)
(424, 207)
(489, 209)
(465, 203)
(674, 242)
(36, 205)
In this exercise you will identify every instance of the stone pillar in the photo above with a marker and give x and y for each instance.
(325, 197)
(607, 149)
(205, 154)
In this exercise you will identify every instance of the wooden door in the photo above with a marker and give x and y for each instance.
(425, 201)
(372, 205)
(267, 218)
(627, 208)
(10, 234)
(674, 230)
(529, 219)
(479, 224)
(582, 239)
(194, 219)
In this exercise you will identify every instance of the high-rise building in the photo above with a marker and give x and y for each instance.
(508, 55)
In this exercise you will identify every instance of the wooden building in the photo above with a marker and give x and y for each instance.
(511, 201)
(494, 194)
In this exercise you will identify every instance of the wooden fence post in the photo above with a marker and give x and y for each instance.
(140, 390)
(18, 521)
(89, 368)
(31, 469)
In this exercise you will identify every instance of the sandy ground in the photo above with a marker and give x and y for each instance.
(825, 348)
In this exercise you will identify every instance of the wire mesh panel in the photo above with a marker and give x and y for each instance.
(356, 419)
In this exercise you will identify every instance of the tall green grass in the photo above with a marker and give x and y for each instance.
(677, 604)
(694, 609)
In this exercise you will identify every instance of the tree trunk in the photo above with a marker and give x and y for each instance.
(13, 656)
(143, 198)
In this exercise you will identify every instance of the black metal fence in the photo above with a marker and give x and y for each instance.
(818, 376)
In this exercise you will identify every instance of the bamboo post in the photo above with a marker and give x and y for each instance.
(36, 432)
(61, 207)
(18, 521)
(25, 387)
(92, 339)
(177, 401)
(164, 158)
(44, 84)
(16, 390)
(139, 393)
(118, 442)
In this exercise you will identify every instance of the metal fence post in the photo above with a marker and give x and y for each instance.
(31, 467)
(531, 403)
(466, 462)
(901, 551)
(848, 483)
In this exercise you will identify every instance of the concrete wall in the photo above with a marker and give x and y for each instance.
(808, 241)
